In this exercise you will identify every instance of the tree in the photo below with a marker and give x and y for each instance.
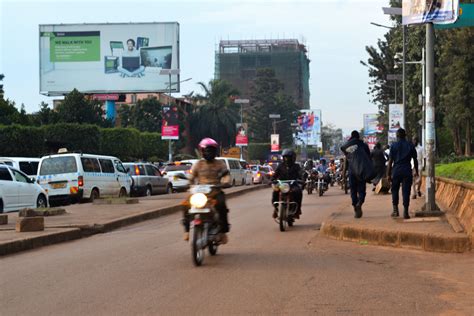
(216, 115)
(44, 116)
(267, 98)
(145, 115)
(332, 138)
(8, 112)
(75, 108)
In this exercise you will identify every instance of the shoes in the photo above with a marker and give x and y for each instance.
(419, 193)
(186, 237)
(275, 213)
(406, 215)
(395, 211)
(358, 211)
(224, 238)
(296, 216)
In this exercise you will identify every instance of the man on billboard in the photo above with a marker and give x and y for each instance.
(131, 64)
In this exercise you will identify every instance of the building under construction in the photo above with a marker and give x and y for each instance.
(238, 61)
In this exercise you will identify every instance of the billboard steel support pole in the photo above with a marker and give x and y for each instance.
(404, 31)
(110, 110)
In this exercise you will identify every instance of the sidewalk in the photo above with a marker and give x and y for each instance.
(82, 220)
(376, 227)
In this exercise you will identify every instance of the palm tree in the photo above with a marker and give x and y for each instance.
(216, 114)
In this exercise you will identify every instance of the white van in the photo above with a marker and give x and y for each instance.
(237, 173)
(27, 165)
(73, 176)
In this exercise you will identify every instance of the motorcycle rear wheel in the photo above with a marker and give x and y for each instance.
(213, 248)
(321, 191)
(197, 252)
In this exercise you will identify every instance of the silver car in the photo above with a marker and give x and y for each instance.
(147, 179)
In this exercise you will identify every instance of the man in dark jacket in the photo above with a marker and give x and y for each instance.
(401, 154)
(357, 185)
(289, 170)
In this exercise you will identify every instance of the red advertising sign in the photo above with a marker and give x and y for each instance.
(371, 141)
(241, 139)
(169, 126)
(275, 141)
(104, 97)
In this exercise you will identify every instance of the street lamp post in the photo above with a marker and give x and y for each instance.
(241, 102)
(169, 72)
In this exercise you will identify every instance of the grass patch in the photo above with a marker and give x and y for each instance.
(463, 171)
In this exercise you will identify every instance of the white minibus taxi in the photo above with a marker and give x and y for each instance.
(76, 176)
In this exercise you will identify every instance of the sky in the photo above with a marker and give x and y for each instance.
(336, 33)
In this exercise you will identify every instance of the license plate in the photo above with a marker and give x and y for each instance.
(58, 185)
(199, 210)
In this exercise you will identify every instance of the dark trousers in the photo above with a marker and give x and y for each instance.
(405, 180)
(297, 196)
(221, 208)
(357, 190)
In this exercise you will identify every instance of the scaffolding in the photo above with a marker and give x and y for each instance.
(237, 62)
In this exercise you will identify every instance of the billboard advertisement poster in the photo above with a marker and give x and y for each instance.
(108, 58)
(308, 128)
(275, 141)
(371, 141)
(232, 152)
(170, 123)
(395, 120)
(426, 11)
(241, 138)
(371, 124)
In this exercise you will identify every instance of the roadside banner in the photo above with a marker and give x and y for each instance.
(371, 141)
(232, 152)
(395, 121)
(371, 123)
(241, 139)
(426, 11)
(275, 141)
(170, 123)
(308, 128)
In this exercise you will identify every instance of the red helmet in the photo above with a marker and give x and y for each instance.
(208, 142)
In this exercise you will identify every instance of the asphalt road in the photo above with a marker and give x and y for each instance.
(146, 269)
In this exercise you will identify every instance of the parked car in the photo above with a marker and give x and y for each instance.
(178, 174)
(28, 165)
(261, 174)
(147, 179)
(248, 172)
(18, 191)
(73, 176)
(237, 173)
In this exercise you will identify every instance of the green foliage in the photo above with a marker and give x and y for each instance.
(9, 114)
(145, 115)
(267, 98)
(75, 137)
(463, 171)
(76, 108)
(217, 115)
(123, 143)
(19, 141)
(258, 151)
(153, 147)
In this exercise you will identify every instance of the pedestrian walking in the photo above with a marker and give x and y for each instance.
(356, 149)
(378, 158)
(417, 179)
(399, 171)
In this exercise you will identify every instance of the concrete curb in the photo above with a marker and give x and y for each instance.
(79, 231)
(397, 239)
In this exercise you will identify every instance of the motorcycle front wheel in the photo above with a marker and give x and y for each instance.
(213, 248)
(321, 191)
(310, 188)
(197, 251)
(282, 217)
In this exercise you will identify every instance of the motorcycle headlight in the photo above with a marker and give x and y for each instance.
(275, 187)
(198, 200)
(285, 188)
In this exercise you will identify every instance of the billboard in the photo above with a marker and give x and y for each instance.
(395, 121)
(275, 142)
(170, 123)
(425, 11)
(241, 138)
(309, 128)
(371, 124)
(108, 58)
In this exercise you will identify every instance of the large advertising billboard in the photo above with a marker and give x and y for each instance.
(425, 11)
(241, 138)
(170, 123)
(371, 124)
(108, 58)
(395, 121)
(309, 128)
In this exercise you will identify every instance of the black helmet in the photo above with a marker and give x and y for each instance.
(289, 156)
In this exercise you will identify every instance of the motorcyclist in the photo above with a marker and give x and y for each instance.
(214, 172)
(289, 170)
(332, 166)
(309, 165)
(322, 168)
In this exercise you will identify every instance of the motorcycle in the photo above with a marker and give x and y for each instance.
(205, 226)
(322, 186)
(311, 178)
(332, 178)
(286, 207)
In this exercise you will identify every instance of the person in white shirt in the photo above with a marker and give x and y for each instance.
(420, 157)
(131, 52)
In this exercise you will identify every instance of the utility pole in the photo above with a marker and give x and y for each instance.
(404, 30)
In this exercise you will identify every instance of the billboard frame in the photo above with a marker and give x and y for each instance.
(63, 93)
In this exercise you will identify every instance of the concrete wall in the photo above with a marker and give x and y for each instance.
(457, 198)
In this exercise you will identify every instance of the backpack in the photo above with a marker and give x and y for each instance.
(361, 165)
